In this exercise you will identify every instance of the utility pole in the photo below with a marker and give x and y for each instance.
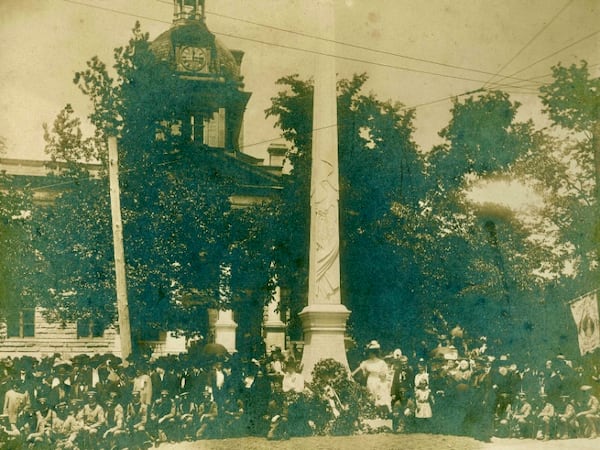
(117, 227)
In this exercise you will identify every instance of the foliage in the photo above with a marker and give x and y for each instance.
(74, 233)
(20, 265)
(572, 99)
(186, 250)
(482, 139)
(330, 382)
(378, 163)
(413, 247)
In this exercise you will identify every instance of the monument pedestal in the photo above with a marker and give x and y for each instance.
(225, 328)
(274, 326)
(324, 328)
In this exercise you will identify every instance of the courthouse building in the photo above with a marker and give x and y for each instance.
(213, 121)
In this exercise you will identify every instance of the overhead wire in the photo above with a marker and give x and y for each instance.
(278, 138)
(289, 47)
(348, 44)
(533, 38)
(586, 37)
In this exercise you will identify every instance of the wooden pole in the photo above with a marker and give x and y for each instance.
(117, 227)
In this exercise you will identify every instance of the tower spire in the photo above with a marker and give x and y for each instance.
(188, 10)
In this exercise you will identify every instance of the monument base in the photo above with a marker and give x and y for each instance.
(324, 327)
(225, 330)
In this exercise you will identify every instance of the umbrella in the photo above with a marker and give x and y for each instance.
(214, 350)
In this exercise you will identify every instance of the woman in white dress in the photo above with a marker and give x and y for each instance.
(374, 369)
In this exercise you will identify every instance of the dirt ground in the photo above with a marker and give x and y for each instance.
(384, 442)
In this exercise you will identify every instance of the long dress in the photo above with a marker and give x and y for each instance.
(375, 371)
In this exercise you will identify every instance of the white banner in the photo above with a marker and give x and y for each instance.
(585, 313)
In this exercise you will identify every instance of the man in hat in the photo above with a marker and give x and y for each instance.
(590, 415)
(187, 415)
(207, 413)
(402, 384)
(143, 383)
(45, 417)
(65, 425)
(137, 418)
(93, 419)
(115, 420)
(61, 392)
(522, 416)
(545, 418)
(567, 424)
(162, 416)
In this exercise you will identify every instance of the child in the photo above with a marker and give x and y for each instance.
(423, 402)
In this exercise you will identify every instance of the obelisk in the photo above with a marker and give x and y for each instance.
(324, 318)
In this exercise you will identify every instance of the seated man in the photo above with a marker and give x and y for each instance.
(277, 413)
(136, 419)
(93, 420)
(66, 426)
(231, 415)
(10, 437)
(115, 420)
(187, 416)
(545, 419)
(45, 417)
(566, 424)
(522, 417)
(162, 416)
(207, 413)
(591, 413)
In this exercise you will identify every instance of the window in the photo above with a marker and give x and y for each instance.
(88, 328)
(20, 324)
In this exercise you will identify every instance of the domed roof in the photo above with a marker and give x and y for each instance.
(194, 33)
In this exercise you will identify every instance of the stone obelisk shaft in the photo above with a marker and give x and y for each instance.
(324, 319)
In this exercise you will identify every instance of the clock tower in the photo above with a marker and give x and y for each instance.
(210, 76)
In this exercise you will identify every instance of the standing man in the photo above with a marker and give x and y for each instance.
(402, 386)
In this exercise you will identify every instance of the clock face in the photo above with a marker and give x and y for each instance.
(193, 59)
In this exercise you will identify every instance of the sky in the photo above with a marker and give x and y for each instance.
(419, 53)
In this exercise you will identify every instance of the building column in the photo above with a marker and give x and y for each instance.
(324, 319)
(273, 325)
(225, 328)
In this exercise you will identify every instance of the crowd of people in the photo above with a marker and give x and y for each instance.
(483, 396)
(102, 402)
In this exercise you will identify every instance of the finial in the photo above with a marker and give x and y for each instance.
(188, 10)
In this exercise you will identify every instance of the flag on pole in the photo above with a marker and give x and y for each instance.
(585, 313)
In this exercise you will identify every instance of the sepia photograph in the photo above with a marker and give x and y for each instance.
(299, 224)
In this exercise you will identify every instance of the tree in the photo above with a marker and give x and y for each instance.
(482, 139)
(477, 265)
(75, 231)
(572, 101)
(20, 264)
(378, 164)
(186, 250)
